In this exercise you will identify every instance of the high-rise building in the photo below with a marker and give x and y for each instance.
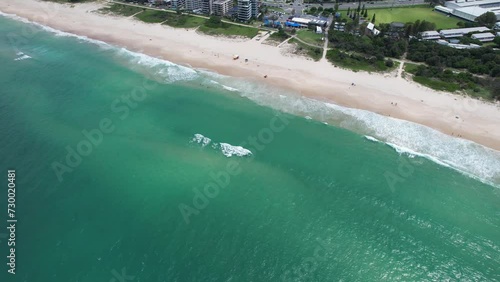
(221, 7)
(244, 10)
(178, 4)
(255, 8)
(206, 6)
(193, 5)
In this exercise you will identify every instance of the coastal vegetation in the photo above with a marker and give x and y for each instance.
(482, 61)
(279, 36)
(121, 10)
(358, 62)
(314, 53)
(440, 67)
(152, 16)
(215, 26)
(378, 47)
(474, 71)
(310, 37)
(184, 21)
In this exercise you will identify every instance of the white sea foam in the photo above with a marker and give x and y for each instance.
(413, 139)
(229, 150)
(405, 137)
(21, 56)
(372, 138)
(200, 139)
(163, 70)
(55, 31)
(230, 88)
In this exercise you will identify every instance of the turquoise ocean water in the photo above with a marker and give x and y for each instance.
(131, 168)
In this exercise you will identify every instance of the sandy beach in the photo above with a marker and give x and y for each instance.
(451, 114)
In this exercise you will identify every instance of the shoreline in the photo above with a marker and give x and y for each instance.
(448, 113)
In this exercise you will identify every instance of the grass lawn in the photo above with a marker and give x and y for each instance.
(411, 68)
(276, 36)
(122, 10)
(303, 49)
(184, 21)
(310, 37)
(411, 14)
(230, 30)
(152, 16)
(276, 9)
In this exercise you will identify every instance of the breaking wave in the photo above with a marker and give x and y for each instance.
(405, 137)
(227, 150)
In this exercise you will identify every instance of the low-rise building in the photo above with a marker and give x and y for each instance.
(305, 22)
(430, 35)
(484, 37)
(470, 10)
(459, 32)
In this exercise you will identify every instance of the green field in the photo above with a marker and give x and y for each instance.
(230, 30)
(411, 14)
(411, 68)
(183, 21)
(122, 10)
(310, 37)
(152, 16)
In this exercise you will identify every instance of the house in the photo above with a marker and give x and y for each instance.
(371, 29)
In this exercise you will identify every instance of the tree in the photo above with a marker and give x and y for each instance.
(349, 11)
(495, 89)
(365, 15)
(313, 10)
(373, 19)
(497, 41)
(320, 9)
(178, 11)
(487, 19)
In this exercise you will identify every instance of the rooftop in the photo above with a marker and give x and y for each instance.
(463, 30)
(474, 10)
(463, 3)
(483, 35)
